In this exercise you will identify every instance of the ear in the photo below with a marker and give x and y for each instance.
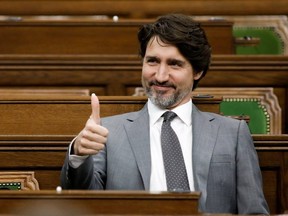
(197, 75)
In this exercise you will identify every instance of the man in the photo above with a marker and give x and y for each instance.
(124, 152)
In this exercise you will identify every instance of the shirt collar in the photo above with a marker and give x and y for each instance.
(183, 112)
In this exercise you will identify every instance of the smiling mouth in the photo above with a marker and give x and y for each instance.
(162, 87)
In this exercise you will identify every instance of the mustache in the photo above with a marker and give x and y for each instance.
(162, 84)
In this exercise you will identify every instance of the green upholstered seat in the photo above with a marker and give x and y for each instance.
(270, 41)
(10, 186)
(259, 122)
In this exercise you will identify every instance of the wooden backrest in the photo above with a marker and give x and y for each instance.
(89, 35)
(66, 114)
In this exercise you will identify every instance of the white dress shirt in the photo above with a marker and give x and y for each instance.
(182, 125)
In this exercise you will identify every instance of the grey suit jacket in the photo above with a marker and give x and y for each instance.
(225, 163)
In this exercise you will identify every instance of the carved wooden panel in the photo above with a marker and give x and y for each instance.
(266, 97)
(26, 179)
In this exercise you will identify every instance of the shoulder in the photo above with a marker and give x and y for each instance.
(213, 116)
(225, 122)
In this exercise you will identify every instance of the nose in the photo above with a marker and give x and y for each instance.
(162, 74)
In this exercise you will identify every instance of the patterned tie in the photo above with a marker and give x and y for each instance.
(175, 170)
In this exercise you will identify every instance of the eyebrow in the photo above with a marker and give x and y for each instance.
(177, 61)
(170, 60)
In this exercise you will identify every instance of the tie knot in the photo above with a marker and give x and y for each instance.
(169, 116)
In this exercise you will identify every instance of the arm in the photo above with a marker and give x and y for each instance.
(88, 148)
(91, 174)
(250, 197)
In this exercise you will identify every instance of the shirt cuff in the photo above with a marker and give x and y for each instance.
(75, 160)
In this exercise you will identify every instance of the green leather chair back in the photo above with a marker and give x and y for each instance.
(270, 41)
(259, 122)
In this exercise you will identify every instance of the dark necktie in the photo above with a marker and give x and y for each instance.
(175, 170)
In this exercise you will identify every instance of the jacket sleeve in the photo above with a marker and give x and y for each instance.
(89, 175)
(250, 197)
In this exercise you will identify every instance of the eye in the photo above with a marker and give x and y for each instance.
(152, 61)
(176, 63)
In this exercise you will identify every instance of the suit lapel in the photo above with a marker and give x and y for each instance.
(137, 129)
(205, 132)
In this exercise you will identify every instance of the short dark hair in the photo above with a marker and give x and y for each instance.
(183, 32)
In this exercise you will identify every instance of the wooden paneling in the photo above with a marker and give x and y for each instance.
(139, 8)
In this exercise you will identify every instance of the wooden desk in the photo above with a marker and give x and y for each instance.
(98, 203)
(89, 35)
(45, 155)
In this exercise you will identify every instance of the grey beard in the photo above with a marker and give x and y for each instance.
(165, 102)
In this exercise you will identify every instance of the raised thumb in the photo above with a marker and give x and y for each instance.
(95, 108)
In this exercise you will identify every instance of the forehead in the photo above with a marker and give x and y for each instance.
(159, 49)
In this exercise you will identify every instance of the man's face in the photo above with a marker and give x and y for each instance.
(167, 75)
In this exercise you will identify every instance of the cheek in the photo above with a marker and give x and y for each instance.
(184, 79)
(146, 72)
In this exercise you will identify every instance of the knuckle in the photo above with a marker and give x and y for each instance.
(84, 134)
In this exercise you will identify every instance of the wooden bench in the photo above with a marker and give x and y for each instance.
(120, 75)
(89, 35)
(44, 155)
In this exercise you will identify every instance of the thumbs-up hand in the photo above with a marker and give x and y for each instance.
(93, 137)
